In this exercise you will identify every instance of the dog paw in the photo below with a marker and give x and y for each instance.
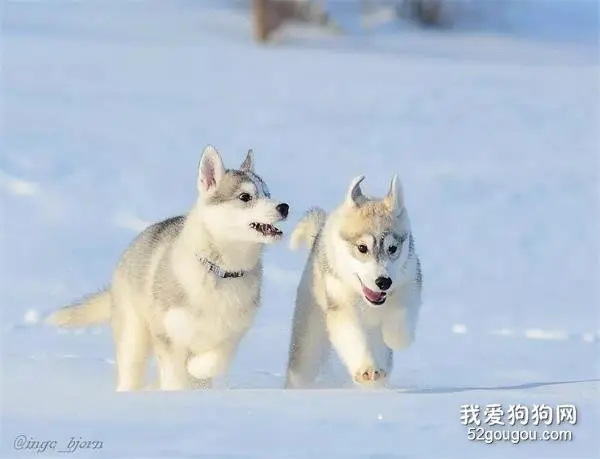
(369, 376)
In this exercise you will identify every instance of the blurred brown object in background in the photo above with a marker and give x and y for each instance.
(270, 15)
(427, 12)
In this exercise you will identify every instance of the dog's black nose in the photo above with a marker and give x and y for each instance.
(383, 282)
(283, 209)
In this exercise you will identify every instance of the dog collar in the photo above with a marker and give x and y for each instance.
(220, 272)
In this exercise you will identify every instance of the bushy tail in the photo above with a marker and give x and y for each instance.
(307, 228)
(92, 310)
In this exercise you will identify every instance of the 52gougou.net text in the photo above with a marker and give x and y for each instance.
(67, 445)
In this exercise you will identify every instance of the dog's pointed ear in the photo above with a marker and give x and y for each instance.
(248, 164)
(394, 200)
(210, 170)
(354, 196)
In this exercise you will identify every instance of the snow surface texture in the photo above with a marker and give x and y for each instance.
(493, 130)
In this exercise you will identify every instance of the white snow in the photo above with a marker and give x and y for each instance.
(588, 337)
(493, 129)
(536, 333)
(17, 186)
(130, 222)
(31, 316)
(459, 329)
(504, 332)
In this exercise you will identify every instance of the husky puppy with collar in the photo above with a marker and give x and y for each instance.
(360, 291)
(188, 288)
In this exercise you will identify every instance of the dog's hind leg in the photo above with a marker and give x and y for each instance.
(132, 342)
(309, 346)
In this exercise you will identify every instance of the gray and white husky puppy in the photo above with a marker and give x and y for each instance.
(188, 288)
(360, 291)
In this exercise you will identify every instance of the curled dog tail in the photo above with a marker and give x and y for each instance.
(92, 310)
(308, 228)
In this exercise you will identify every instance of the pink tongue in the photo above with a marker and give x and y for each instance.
(371, 295)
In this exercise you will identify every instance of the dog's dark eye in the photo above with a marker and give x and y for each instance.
(392, 249)
(362, 248)
(245, 197)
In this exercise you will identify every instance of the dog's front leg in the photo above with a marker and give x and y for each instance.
(384, 356)
(351, 341)
(172, 360)
(208, 364)
(400, 323)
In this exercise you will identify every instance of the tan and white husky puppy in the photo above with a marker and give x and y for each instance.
(360, 291)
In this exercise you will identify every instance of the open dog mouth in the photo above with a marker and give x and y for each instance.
(375, 298)
(266, 230)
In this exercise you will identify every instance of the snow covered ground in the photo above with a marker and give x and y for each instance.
(107, 106)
